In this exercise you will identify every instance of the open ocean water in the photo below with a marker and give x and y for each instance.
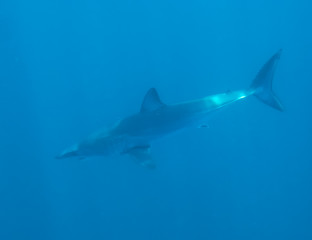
(68, 68)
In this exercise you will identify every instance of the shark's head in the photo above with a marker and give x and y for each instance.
(106, 141)
(69, 152)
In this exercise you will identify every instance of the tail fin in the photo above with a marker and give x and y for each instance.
(262, 84)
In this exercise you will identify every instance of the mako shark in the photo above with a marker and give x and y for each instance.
(133, 135)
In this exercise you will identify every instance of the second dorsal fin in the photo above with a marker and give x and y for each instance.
(151, 101)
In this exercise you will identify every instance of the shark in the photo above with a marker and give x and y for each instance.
(133, 135)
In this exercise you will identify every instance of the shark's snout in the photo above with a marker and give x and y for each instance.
(70, 152)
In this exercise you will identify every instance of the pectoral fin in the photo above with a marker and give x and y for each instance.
(142, 155)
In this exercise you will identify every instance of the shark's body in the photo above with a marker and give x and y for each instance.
(133, 135)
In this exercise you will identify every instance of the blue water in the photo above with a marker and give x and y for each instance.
(68, 68)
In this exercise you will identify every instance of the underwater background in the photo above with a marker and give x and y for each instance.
(68, 68)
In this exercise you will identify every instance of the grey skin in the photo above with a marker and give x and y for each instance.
(133, 135)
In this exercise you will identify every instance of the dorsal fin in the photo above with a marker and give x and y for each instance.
(151, 101)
